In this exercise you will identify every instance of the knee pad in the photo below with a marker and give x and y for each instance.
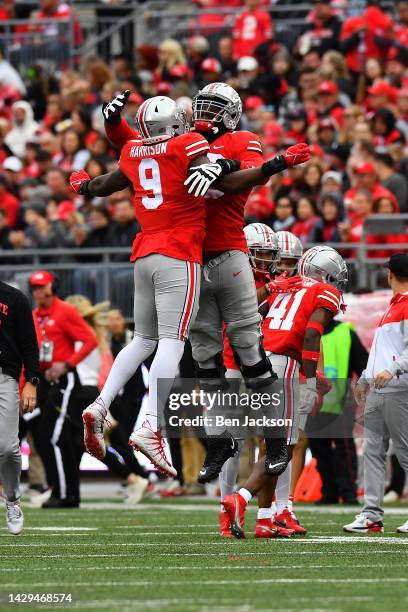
(244, 333)
(260, 374)
(212, 378)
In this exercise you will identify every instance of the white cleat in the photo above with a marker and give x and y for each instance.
(403, 528)
(93, 418)
(15, 517)
(362, 524)
(151, 444)
(136, 491)
(391, 497)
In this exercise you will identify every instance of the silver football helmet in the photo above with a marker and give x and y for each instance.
(262, 246)
(159, 119)
(216, 103)
(324, 264)
(291, 250)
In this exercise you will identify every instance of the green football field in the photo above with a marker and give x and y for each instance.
(168, 556)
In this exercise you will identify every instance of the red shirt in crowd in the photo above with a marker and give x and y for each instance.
(11, 205)
(251, 29)
(377, 192)
(62, 324)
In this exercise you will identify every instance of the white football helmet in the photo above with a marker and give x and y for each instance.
(324, 264)
(159, 119)
(291, 249)
(263, 247)
(216, 103)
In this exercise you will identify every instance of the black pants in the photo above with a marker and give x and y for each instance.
(55, 439)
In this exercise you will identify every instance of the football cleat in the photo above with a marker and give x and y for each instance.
(14, 517)
(267, 528)
(136, 491)
(276, 457)
(151, 444)
(403, 528)
(288, 519)
(225, 525)
(283, 532)
(362, 524)
(93, 418)
(219, 449)
(235, 506)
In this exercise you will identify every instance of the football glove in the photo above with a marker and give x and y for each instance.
(79, 182)
(309, 397)
(298, 154)
(112, 110)
(202, 177)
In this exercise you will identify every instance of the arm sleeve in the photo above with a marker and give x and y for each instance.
(329, 298)
(358, 355)
(27, 338)
(349, 42)
(192, 146)
(400, 365)
(79, 331)
(120, 133)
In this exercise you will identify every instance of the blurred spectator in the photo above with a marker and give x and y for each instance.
(12, 169)
(384, 130)
(323, 31)
(9, 77)
(8, 203)
(211, 71)
(392, 180)
(4, 231)
(251, 28)
(69, 225)
(101, 232)
(329, 104)
(24, 128)
(312, 180)
(171, 54)
(73, 155)
(125, 226)
(326, 229)
(365, 177)
(56, 181)
(362, 207)
(226, 57)
(306, 213)
(39, 233)
(197, 49)
(285, 215)
(331, 182)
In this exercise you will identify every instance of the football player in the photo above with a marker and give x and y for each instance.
(299, 309)
(228, 293)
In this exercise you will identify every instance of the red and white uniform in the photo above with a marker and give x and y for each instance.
(173, 222)
(251, 29)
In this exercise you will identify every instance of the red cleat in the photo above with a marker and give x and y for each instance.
(235, 508)
(264, 528)
(288, 519)
(225, 525)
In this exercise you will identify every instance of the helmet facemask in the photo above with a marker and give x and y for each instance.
(210, 110)
(263, 259)
(290, 266)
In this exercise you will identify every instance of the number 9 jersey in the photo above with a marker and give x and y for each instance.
(172, 221)
(284, 326)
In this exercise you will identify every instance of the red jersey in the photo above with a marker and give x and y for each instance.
(172, 221)
(62, 325)
(284, 326)
(251, 29)
(225, 211)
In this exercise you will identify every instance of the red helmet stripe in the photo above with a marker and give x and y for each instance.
(142, 112)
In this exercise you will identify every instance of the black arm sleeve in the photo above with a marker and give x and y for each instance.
(27, 338)
(350, 43)
(358, 355)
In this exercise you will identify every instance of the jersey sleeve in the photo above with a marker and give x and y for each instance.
(124, 155)
(328, 297)
(192, 145)
(119, 134)
(248, 149)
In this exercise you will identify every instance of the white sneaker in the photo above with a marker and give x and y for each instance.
(362, 524)
(403, 528)
(391, 497)
(15, 517)
(38, 500)
(136, 490)
(151, 444)
(93, 418)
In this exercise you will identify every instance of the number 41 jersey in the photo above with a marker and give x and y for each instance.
(172, 221)
(284, 326)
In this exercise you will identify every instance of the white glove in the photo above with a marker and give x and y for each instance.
(308, 396)
(202, 177)
(111, 110)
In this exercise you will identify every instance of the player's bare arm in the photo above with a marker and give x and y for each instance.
(100, 186)
(312, 340)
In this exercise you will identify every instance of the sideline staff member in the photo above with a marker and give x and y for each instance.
(18, 347)
(59, 326)
(383, 388)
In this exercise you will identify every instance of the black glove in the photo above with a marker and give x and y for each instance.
(112, 110)
(228, 165)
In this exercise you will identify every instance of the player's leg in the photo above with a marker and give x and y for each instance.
(10, 457)
(127, 361)
(177, 290)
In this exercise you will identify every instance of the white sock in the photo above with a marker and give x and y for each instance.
(264, 513)
(125, 365)
(283, 489)
(164, 368)
(245, 494)
(229, 473)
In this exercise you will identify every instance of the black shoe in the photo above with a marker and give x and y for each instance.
(57, 502)
(219, 449)
(277, 456)
(328, 500)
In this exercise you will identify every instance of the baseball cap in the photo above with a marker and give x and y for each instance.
(12, 163)
(332, 175)
(211, 64)
(253, 102)
(327, 122)
(328, 87)
(135, 98)
(41, 278)
(180, 71)
(365, 168)
(272, 132)
(247, 63)
(316, 150)
(65, 208)
(398, 264)
(383, 88)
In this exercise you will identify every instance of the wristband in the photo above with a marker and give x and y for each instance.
(84, 189)
(310, 355)
(315, 325)
(274, 166)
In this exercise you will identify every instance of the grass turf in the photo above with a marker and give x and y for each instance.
(168, 556)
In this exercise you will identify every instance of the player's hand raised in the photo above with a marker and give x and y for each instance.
(202, 177)
(298, 154)
(79, 182)
(112, 110)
